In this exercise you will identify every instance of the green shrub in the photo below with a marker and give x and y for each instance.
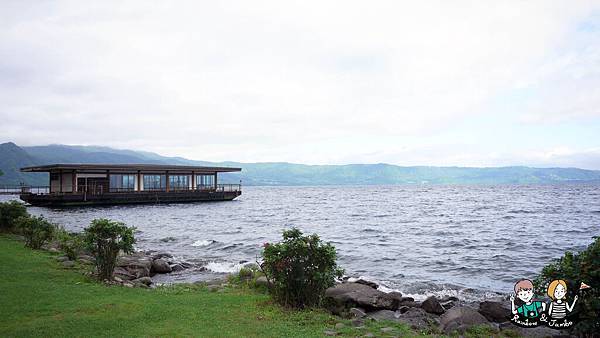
(105, 238)
(10, 212)
(36, 230)
(575, 268)
(69, 243)
(300, 268)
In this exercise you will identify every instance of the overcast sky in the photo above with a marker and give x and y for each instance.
(469, 83)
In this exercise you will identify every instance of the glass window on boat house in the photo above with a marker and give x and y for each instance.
(179, 182)
(205, 181)
(124, 182)
(155, 182)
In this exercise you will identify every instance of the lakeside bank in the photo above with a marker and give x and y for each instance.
(41, 297)
(45, 297)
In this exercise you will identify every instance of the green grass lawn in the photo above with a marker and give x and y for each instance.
(40, 298)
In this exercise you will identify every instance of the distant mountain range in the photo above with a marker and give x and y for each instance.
(13, 157)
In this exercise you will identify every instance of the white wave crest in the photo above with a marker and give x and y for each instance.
(224, 267)
(202, 242)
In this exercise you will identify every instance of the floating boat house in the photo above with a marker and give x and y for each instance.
(93, 184)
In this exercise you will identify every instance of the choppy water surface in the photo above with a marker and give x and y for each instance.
(418, 239)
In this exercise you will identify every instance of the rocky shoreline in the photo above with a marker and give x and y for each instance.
(134, 270)
(362, 300)
(355, 298)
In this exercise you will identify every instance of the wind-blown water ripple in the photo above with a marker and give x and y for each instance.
(419, 239)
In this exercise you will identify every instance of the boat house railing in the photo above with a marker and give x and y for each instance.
(19, 189)
(100, 189)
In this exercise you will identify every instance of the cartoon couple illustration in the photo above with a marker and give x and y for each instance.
(558, 308)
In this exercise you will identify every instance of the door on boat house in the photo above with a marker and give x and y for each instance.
(92, 185)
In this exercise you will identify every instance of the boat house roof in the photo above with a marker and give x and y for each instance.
(127, 167)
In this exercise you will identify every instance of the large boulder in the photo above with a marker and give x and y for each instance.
(383, 315)
(137, 265)
(160, 266)
(432, 305)
(177, 267)
(262, 281)
(497, 312)
(123, 274)
(348, 295)
(398, 296)
(460, 318)
(417, 319)
(367, 283)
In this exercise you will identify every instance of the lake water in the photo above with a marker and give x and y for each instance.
(460, 240)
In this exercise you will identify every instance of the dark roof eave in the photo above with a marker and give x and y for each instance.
(125, 167)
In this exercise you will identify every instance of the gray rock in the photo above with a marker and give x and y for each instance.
(330, 333)
(68, 264)
(85, 257)
(498, 312)
(367, 283)
(448, 299)
(382, 315)
(138, 265)
(160, 266)
(403, 309)
(407, 301)
(397, 295)
(387, 329)
(123, 274)
(177, 267)
(460, 318)
(262, 280)
(448, 304)
(417, 319)
(143, 280)
(160, 255)
(187, 265)
(357, 313)
(339, 326)
(168, 239)
(432, 305)
(53, 250)
(135, 259)
(358, 295)
(62, 258)
(369, 335)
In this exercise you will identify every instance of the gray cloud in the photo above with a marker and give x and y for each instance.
(314, 82)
